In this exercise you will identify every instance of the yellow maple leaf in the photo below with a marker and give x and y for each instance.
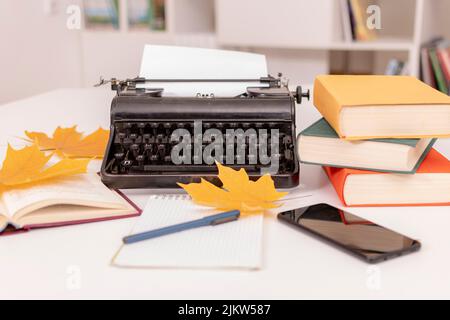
(238, 192)
(68, 142)
(29, 165)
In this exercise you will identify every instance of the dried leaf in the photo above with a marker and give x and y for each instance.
(68, 142)
(237, 192)
(29, 165)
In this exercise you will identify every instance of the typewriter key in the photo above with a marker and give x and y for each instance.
(162, 148)
(146, 137)
(133, 136)
(140, 159)
(134, 149)
(121, 136)
(119, 156)
(159, 137)
(127, 164)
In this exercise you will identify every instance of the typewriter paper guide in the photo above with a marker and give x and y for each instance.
(171, 62)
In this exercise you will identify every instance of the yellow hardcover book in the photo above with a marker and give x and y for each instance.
(368, 107)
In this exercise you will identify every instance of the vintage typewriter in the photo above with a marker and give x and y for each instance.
(143, 122)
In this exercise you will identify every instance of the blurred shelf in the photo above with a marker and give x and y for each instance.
(389, 44)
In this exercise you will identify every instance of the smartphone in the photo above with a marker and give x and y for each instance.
(362, 238)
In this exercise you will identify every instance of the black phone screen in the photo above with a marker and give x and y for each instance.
(368, 240)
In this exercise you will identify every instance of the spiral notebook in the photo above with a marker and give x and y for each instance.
(235, 244)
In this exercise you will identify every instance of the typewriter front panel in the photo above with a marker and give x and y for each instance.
(157, 142)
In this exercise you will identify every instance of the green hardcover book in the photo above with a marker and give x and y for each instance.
(319, 144)
(439, 75)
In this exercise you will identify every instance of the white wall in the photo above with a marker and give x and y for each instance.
(37, 52)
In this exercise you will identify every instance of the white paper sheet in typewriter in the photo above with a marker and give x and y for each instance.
(172, 62)
(234, 245)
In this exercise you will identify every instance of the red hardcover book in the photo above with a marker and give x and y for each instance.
(72, 200)
(429, 186)
(444, 60)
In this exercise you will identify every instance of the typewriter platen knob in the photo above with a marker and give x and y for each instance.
(299, 94)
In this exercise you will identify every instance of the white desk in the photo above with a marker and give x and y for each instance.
(74, 262)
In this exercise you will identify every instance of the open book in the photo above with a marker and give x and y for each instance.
(70, 200)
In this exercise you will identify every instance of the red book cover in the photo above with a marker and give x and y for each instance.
(444, 60)
(433, 163)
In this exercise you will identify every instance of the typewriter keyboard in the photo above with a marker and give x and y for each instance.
(146, 147)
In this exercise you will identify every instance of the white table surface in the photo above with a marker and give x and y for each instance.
(74, 262)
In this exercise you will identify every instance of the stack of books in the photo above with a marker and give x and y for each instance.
(375, 140)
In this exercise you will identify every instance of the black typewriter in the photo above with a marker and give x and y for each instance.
(157, 141)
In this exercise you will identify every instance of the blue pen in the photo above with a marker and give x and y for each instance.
(206, 221)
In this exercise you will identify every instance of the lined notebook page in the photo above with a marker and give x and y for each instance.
(236, 244)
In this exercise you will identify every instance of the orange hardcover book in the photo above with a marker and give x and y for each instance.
(429, 186)
(369, 106)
